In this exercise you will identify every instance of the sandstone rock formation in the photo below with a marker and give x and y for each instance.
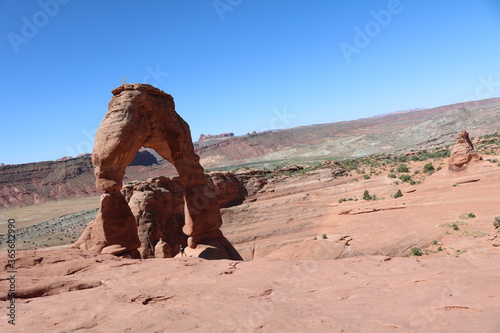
(335, 166)
(162, 249)
(158, 208)
(253, 180)
(140, 115)
(462, 152)
(229, 189)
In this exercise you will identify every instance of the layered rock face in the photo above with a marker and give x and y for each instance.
(462, 152)
(33, 183)
(140, 115)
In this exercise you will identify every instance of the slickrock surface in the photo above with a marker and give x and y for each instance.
(75, 291)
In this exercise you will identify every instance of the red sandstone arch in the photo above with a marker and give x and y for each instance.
(140, 115)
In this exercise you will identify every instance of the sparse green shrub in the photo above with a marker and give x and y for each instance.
(440, 249)
(405, 178)
(452, 224)
(366, 177)
(496, 223)
(428, 168)
(403, 168)
(398, 194)
(466, 216)
(434, 242)
(412, 182)
(416, 251)
(391, 175)
(455, 227)
(324, 236)
(474, 234)
(438, 168)
(341, 200)
(366, 195)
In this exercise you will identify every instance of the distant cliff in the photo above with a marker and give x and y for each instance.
(31, 183)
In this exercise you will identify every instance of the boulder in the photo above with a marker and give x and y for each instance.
(163, 250)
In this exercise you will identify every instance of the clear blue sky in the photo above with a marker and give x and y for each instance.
(235, 65)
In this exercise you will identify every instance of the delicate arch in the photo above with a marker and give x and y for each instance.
(140, 115)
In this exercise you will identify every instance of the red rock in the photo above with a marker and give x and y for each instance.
(157, 206)
(163, 250)
(140, 115)
(462, 152)
(230, 191)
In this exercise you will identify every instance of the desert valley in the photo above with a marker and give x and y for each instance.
(383, 224)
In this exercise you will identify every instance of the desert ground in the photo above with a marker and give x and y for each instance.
(317, 258)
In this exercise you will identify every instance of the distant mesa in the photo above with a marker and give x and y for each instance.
(64, 158)
(217, 136)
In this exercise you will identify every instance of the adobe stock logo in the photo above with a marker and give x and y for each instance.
(486, 88)
(223, 6)
(30, 27)
(372, 29)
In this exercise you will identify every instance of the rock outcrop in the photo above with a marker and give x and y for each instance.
(462, 152)
(337, 169)
(253, 180)
(140, 115)
(158, 207)
(163, 249)
(229, 189)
